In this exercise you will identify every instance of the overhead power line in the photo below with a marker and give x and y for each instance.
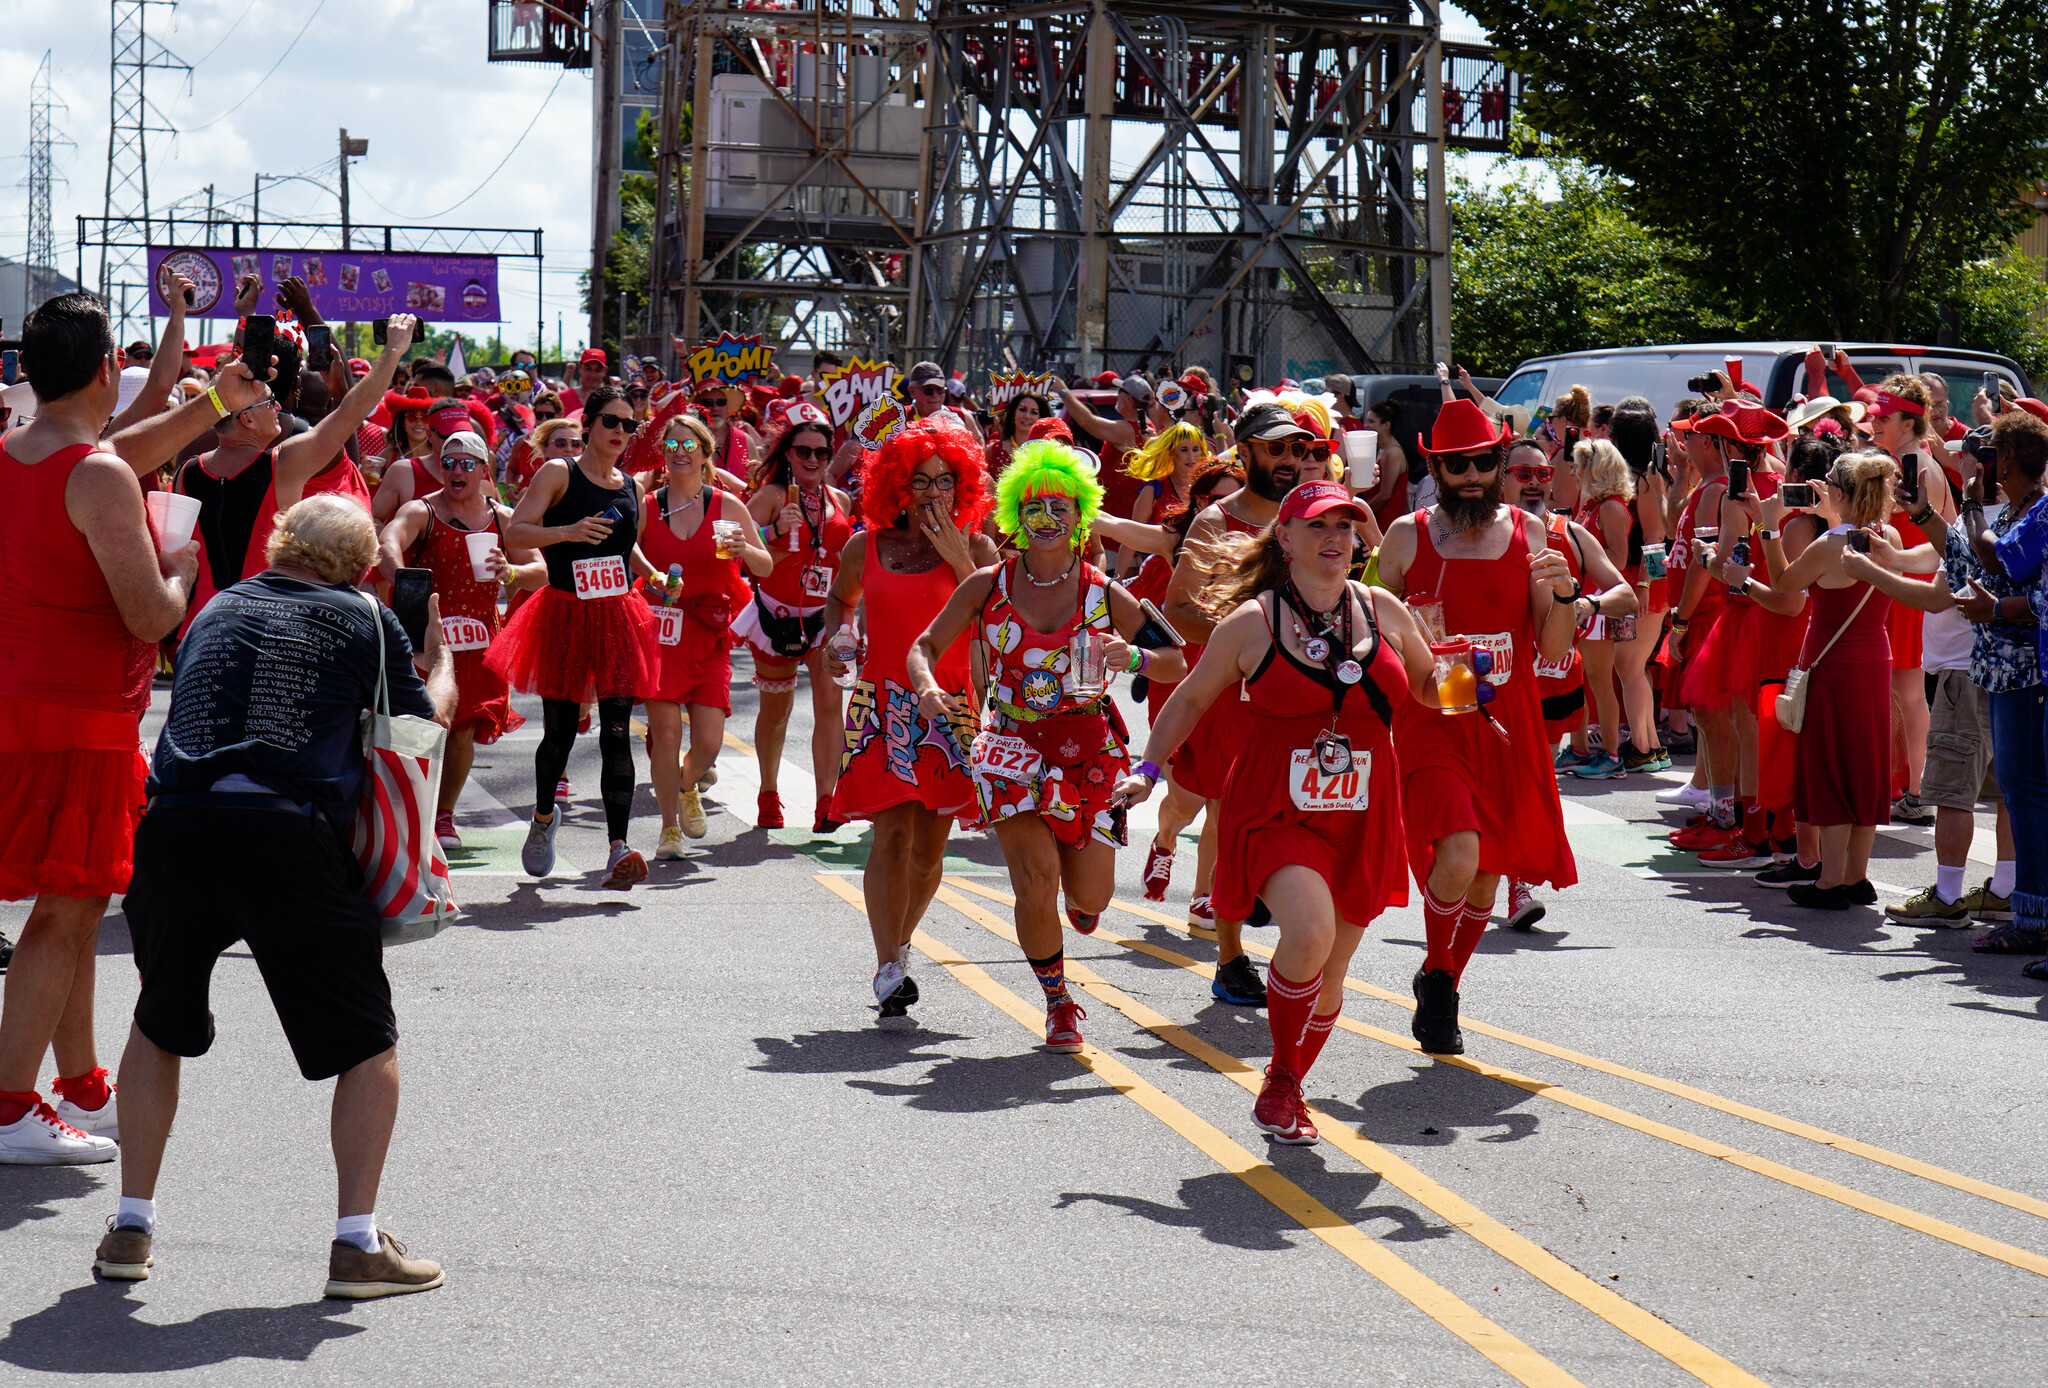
(431, 216)
(193, 130)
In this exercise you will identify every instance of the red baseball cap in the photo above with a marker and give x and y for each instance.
(448, 416)
(595, 354)
(1052, 429)
(1312, 499)
(358, 367)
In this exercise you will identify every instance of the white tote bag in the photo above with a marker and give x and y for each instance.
(404, 871)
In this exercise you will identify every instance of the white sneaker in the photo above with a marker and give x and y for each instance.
(40, 1138)
(888, 979)
(104, 1121)
(1690, 796)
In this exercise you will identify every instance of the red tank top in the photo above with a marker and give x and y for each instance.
(1683, 547)
(1028, 680)
(710, 585)
(445, 550)
(1291, 702)
(900, 606)
(805, 576)
(62, 640)
(1486, 600)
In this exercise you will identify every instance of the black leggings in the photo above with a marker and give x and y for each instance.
(614, 748)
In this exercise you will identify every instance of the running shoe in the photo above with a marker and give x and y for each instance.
(1279, 1111)
(1925, 907)
(444, 831)
(1663, 755)
(768, 810)
(40, 1138)
(1690, 796)
(694, 824)
(1680, 744)
(1524, 910)
(562, 791)
(1789, 874)
(826, 822)
(623, 868)
(6, 952)
(1084, 921)
(1201, 913)
(1818, 898)
(1605, 767)
(1063, 1027)
(1911, 809)
(1237, 982)
(1984, 906)
(708, 779)
(1634, 759)
(894, 993)
(123, 1254)
(1568, 760)
(1694, 838)
(1435, 1025)
(671, 845)
(1736, 852)
(538, 856)
(104, 1121)
(2036, 970)
(1158, 871)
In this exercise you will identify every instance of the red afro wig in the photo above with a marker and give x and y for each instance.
(885, 475)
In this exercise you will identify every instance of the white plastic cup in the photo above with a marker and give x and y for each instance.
(1361, 458)
(482, 544)
(174, 515)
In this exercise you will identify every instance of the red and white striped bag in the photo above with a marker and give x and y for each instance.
(404, 871)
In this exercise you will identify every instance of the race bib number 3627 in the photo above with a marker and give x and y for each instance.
(601, 576)
(1008, 758)
(1311, 790)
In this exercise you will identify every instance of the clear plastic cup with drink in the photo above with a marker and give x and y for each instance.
(482, 545)
(1361, 458)
(725, 537)
(1457, 672)
(1088, 664)
(172, 515)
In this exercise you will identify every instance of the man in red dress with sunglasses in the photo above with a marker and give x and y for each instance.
(1478, 792)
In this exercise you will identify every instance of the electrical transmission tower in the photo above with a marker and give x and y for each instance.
(131, 120)
(42, 252)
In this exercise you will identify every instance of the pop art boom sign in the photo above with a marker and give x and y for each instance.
(847, 390)
(732, 361)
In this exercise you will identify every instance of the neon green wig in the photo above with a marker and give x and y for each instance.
(1046, 467)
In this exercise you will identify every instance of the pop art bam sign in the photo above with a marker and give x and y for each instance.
(846, 391)
(732, 361)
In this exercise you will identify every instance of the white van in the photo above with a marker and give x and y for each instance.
(1778, 369)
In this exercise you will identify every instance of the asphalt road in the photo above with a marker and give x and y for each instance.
(1698, 1137)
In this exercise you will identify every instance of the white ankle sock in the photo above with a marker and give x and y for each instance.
(2002, 877)
(136, 1213)
(360, 1230)
(1948, 882)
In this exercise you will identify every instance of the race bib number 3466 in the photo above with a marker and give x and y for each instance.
(602, 576)
(1311, 790)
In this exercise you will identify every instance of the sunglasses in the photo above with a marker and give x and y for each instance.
(944, 482)
(711, 402)
(931, 390)
(565, 441)
(618, 421)
(1531, 472)
(686, 445)
(1457, 467)
(460, 464)
(805, 453)
(545, 414)
(1319, 452)
(1297, 447)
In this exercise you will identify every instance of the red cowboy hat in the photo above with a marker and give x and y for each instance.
(1462, 427)
(2033, 407)
(1745, 424)
(416, 398)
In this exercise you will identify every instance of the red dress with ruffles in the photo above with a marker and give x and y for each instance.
(73, 686)
(1360, 853)
(894, 755)
(1457, 772)
(469, 624)
(693, 663)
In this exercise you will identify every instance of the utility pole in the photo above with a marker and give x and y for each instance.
(350, 149)
(607, 58)
(1100, 98)
(131, 54)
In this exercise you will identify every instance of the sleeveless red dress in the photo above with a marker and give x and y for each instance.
(694, 664)
(1457, 773)
(1042, 749)
(1844, 771)
(73, 687)
(801, 579)
(1203, 761)
(469, 623)
(1561, 684)
(894, 755)
(1699, 686)
(1359, 853)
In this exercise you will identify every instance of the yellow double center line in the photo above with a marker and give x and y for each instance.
(1517, 1359)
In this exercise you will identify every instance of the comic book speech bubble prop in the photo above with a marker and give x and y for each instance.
(846, 391)
(879, 422)
(732, 361)
(1005, 386)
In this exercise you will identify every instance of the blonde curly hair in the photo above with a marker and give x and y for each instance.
(327, 535)
(1602, 471)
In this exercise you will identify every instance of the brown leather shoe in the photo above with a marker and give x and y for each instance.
(123, 1254)
(360, 1276)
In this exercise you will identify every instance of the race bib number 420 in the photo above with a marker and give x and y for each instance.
(1311, 790)
(602, 576)
(464, 634)
(1005, 757)
(668, 626)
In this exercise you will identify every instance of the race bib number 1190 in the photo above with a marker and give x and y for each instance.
(602, 576)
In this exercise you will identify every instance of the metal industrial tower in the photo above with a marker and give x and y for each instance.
(129, 115)
(41, 259)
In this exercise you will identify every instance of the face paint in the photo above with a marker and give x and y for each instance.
(1046, 518)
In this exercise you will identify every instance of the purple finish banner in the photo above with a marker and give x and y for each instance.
(351, 286)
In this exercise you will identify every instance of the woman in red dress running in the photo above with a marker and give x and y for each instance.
(692, 602)
(1051, 746)
(805, 525)
(923, 495)
(1312, 804)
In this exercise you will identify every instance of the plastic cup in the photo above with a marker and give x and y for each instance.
(482, 545)
(1457, 679)
(173, 515)
(725, 535)
(1088, 663)
(1361, 457)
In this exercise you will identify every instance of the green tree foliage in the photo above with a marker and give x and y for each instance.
(2002, 306)
(1832, 162)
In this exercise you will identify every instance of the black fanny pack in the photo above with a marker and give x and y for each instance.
(789, 637)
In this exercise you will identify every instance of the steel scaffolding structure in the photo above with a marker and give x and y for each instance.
(41, 260)
(132, 53)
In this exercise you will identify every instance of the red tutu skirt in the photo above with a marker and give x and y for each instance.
(560, 646)
(482, 699)
(67, 812)
(894, 755)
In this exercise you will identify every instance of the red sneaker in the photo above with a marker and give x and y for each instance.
(1063, 1029)
(1158, 871)
(1736, 852)
(444, 831)
(1279, 1112)
(1706, 836)
(1201, 913)
(1084, 921)
(768, 810)
(826, 822)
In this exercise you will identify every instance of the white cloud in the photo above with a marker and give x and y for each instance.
(408, 74)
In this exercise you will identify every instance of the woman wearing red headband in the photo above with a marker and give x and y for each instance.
(923, 495)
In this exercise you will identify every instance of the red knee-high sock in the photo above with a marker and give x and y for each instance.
(1312, 1040)
(1440, 928)
(1471, 925)
(1288, 1005)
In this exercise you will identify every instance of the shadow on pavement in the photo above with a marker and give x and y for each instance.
(95, 1330)
(847, 1051)
(975, 1084)
(1434, 1105)
(1222, 1209)
(529, 907)
(28, 1192)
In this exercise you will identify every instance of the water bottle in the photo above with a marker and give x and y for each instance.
(845, 647)
(675, 589)
(1739, 556)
